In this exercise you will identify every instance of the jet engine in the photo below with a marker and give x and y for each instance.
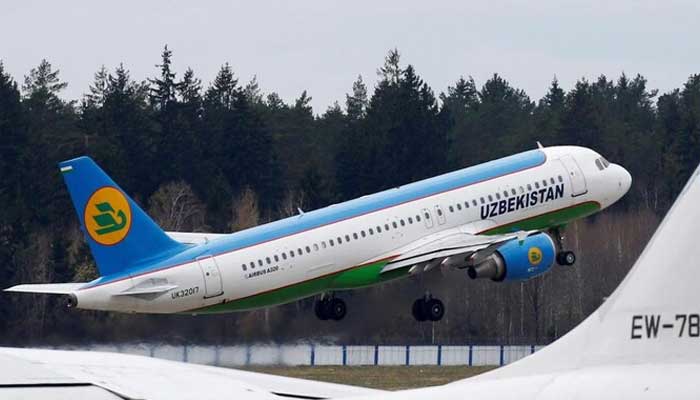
(516, 259)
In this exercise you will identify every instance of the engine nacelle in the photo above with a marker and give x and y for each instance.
(517, 260)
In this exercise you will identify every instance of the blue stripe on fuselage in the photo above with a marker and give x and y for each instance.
(339, 212)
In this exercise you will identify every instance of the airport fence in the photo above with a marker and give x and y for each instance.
(317, 354)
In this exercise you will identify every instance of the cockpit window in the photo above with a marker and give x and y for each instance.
(599, 164)
(605, 162)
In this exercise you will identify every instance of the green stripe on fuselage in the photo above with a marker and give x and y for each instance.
(365, 275)
(370, 274)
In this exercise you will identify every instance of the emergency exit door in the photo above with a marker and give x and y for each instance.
(213, 285)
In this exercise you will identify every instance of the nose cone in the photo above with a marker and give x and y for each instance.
(624, 180)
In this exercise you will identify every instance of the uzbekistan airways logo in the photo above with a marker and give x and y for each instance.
(534, 255)
(107, 216)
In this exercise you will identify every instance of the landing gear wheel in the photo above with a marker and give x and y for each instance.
(322, 309)
(337, 309)
(418, 310)
(566, 258)
(435, 309)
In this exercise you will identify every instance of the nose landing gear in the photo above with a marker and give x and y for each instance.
(564, 257)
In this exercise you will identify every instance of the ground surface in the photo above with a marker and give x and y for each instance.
(389, 378)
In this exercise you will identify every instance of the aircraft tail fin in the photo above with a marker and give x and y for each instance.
(120, 234)
(652, 317)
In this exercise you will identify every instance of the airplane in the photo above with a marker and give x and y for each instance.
(501, 220)
(641, 343)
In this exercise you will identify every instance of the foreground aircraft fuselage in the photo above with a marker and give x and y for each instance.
(487, 219)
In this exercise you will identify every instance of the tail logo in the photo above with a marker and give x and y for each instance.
(534, 255)
(107, 216)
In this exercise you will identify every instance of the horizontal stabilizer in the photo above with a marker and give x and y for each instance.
(48, 288)
(195, 237)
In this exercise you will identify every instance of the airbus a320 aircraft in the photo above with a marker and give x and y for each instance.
(499, 220)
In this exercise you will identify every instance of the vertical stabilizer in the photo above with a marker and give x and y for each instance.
(119, 232)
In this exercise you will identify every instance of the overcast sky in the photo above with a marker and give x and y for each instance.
(322, 46)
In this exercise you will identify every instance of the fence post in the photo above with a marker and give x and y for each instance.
(471, 355)
(501, 363)
(184, 353)
(217, 355)
(439, 357)
(408, 355)
(151, 351)
(247, 355)
(532, 349)
(345, 355)
(313, 355)
(376, 354)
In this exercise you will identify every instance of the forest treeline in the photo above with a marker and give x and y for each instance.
(224, 156)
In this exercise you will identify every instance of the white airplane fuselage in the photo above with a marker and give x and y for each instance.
(346, 245)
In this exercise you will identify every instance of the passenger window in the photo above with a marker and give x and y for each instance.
(410, 220)
(490, 198)
(371, 231)
(347, 238)
(513, 192)
(452, 209)
(427, 215)
(459, 206)
(339, 240)
(277, 259)
(244, 267)
(394, 225)
(323, 244)
(498, 196)
(386, 227)
(362, 233)
(308, 249)
(260, 263)
(551, 180)
(505, 193)
(402, 223)
(466, 204)
(537, 185)
(300, 252)
(284, 256)
(379, 229)
(483, 201)
(291, 253)
(560, 178)
(315, 247)
(268, 260)
(474, 203)
(331, 242)
(252, 264)
(417, 218)
(354, 235)
(522, 190)
(529, 187)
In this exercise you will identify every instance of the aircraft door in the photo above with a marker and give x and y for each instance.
(578, 180)
(440, 215)
(427, 218)
(213, 285)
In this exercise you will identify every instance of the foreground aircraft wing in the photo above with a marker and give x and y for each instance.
(60, 374)
(449, 248)
(194, 237)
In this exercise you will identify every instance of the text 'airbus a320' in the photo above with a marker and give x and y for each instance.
(499, 220)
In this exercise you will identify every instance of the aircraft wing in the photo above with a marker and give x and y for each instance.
(62, 374)
(195, 237)
(449, 248)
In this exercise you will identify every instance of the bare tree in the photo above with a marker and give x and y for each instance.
(176, 208)
(245, 211)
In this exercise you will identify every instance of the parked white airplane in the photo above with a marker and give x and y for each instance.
(487, 219)
(642, 343)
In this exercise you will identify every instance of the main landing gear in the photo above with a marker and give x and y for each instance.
(428, 309)
(564, 257)
(330, 308)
